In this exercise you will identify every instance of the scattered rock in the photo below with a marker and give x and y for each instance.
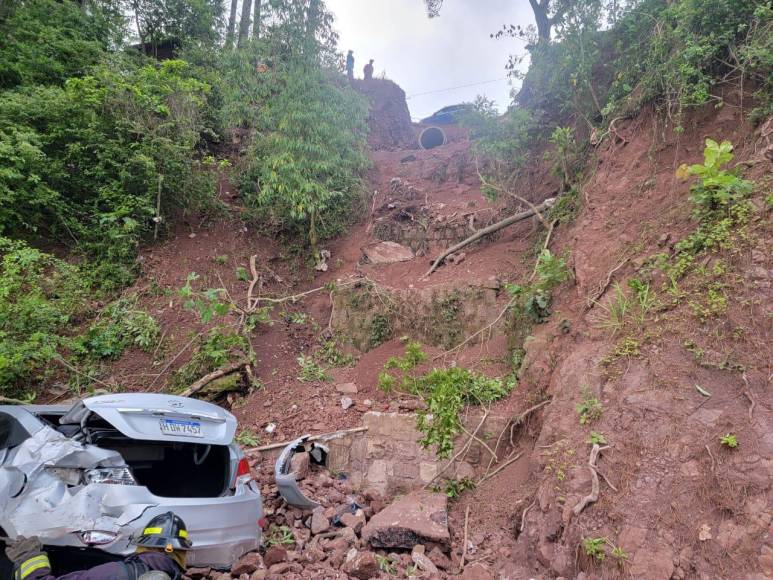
(387, 253)
(440, 559)
(346, 403)
(274, 555)
(319, 523)
(347, 388)
(476, 572)
(416, 518)
(456, 259)
(422, 561)
(408, 159)
(299, 465)
(198, 573)
(248, 564)
(363, 566)
(355, 521)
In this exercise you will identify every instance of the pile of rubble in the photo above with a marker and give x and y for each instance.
(348, 536)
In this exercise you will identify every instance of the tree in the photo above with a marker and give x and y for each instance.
(244, 23)
(229, 37)
(547, 14)
(256, 20)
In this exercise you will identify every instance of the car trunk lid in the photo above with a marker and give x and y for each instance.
(156, 417)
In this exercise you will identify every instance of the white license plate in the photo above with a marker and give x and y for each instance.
(181, 427)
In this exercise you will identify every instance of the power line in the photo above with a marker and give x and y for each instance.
(457, 87)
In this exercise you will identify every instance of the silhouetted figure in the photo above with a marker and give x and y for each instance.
(350, 65)
(368, 70)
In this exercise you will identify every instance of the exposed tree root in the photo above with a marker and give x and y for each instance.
(523, 515)
(466, 536)
(748, 394)
(462, 452)
(593, 496)
(547, 204)
(594, 297)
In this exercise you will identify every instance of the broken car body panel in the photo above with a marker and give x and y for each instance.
(285, 480)
(44, 492)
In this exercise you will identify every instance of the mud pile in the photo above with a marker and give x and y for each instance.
(390, 120)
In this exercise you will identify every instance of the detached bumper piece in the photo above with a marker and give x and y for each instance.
(285, 480)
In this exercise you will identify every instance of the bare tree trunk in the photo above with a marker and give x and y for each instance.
(256, 20)
(544, 23)
(229, 37)
(244, 23)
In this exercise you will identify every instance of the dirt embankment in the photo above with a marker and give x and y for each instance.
(683, 505)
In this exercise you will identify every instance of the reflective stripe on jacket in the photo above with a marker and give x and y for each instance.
(130, 569)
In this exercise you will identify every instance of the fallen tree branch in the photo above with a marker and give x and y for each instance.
(483, 443)
(593, 496)
(322, 437)
(498, 469)
(214, 375)
(594, 298)
(547, 204)
(466, 529)
(544, 247)
(523, 515)
(501, 189)
(9, 401)
(748, 394)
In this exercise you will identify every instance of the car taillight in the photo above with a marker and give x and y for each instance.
(243, 474)
(113, 475)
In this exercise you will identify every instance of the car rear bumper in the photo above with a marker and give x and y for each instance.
(222, 529)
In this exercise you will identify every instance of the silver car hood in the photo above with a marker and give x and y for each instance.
(157, 417)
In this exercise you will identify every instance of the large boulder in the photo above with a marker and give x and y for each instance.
(417, 518)
(387, 253)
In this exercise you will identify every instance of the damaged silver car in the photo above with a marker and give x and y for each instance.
(87, 477)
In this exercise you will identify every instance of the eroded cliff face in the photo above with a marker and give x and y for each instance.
(390, 120)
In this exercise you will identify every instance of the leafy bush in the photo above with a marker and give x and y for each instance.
(216, 350)
(41, 298)
(83, 164)
(718, 188)
(119, 326)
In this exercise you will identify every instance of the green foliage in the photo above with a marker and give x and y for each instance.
(453, 488)
(331, 354)
(563, 154)
(41, 299)
(216, 350)
(248, 438)
(386, 565)
(414, 356)
(596, 438)
(380, 330)
(310, 372)
(589, 408)
(118, 327)
(45, 41)
(446, 392)
(594, 547)
(718, 188)
(502, 142)
(207, 303)
(279, 536)
(82, 164)
(729, 440)
(552, 271)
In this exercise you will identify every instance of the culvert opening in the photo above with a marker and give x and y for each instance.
(432, 137)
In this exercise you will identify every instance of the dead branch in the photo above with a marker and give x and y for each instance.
(322, 437)
(544, 247)
(483, 443)
(594, 298)
(711, 457)
(517, 421)
(523, 515)
(498, 469)
(466, 530)
(64, 363)
(547, 204)
(253, 282)
(593, 496)
(214, 375)
(501, 189)
(482, 330)
(9, 401)
(178, 355)
(748, 394)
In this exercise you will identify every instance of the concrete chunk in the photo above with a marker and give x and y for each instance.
(416, 518)
(387, 253)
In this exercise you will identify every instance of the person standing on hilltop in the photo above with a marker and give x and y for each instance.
(368, 70)
(350, 65)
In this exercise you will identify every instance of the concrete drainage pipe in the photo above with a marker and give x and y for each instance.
(432, 137)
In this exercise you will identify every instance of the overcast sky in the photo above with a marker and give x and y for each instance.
(423, 54)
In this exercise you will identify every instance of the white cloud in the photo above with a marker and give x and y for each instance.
(424, 55)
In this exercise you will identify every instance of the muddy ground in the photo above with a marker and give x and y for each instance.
(683, 505)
